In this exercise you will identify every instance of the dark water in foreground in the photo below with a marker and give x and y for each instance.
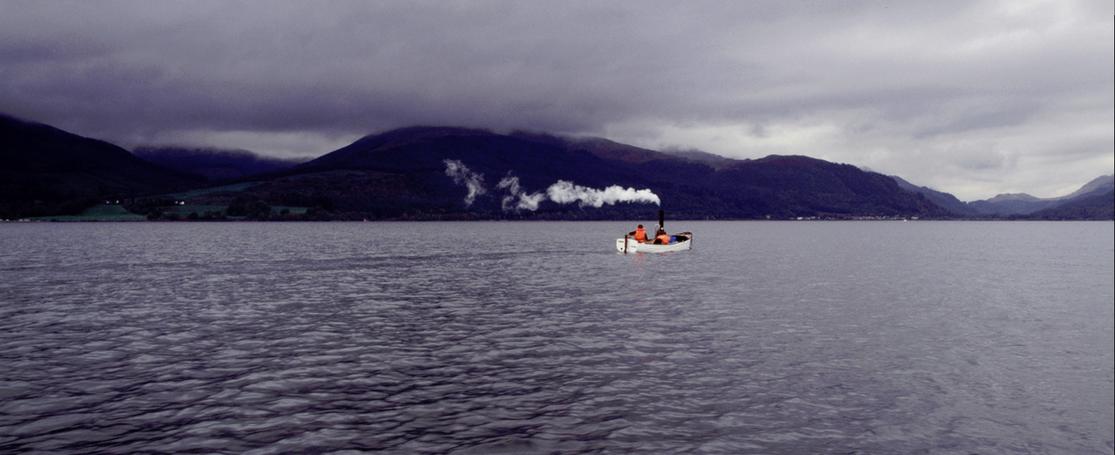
(874, 337)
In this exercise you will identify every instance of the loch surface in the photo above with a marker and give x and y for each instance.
(537, 337)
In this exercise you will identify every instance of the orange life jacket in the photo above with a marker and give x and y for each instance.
(640, 235)
(665, 239)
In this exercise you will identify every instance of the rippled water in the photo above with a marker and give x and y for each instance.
(768, 337)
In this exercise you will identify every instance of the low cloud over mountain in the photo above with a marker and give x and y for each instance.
(975, 98)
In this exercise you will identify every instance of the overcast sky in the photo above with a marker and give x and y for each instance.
(975, 98)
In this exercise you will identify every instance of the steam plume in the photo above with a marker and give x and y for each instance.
(564, 192)
(525, 201)
(462, 175)
(561, 192)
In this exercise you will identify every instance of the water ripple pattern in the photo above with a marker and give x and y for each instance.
(768, 337)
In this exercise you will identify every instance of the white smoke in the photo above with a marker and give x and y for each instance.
(509, 183)
(525, 201)
(564, 192)
(561, 192)
(462, 175)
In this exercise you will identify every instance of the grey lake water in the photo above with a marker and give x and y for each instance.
(537, 337)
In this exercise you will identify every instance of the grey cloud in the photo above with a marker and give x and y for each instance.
(895, 76)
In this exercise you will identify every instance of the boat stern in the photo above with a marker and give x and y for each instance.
(625, 245)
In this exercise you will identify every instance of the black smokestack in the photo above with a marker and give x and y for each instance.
(661, 218)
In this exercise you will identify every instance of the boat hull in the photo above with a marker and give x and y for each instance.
(631, 246)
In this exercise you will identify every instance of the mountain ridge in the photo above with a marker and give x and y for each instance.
(213, 164)
(945, 200)
(776, 186)
(403, 174)
(1022, 204)
(45, 170)
(1011, 205)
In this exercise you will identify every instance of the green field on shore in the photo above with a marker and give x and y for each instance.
(99, 212)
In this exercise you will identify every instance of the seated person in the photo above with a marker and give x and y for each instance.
(640, 234)
(660, 237)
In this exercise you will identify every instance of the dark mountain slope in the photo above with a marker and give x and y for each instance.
(1101, 184)
(1011, 204)
(45, 171)
(1090, 206)
(402, 174)
(798, 185)
(214, 165)
(615, 151)
(411, 162)
(944, 200)
(711, 159)
(1022, 204)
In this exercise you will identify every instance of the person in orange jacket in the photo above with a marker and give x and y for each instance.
(640, 234)
(660, 237)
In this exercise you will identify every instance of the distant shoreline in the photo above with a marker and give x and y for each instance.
(978, 220)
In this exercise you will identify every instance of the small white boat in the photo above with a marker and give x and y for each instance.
(682, 241)
(629, 245)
